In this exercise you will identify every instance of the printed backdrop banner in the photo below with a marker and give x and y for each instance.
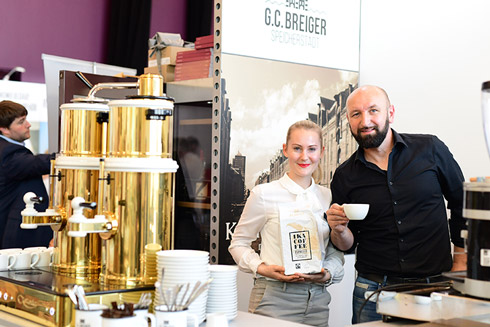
(321, 33)
(281, 61)
(30, 95)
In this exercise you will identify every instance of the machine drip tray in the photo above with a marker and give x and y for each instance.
(440, 308)
(40, 295)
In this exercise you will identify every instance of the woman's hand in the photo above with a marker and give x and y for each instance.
(320, 277)
(277, 272)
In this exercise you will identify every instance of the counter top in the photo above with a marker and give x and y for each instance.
(246, 319)
(10, 320)
(243, 319)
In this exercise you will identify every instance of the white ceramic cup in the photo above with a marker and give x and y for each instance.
(35, 248)
(143, 317)
(22, 260)
(4, 261)
(133, 321)
(174, 318)
(45, 257)
(356, 211)
(91, 317)
(10, 250)
(216, 319)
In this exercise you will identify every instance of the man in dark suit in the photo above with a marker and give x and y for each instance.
(20, 172)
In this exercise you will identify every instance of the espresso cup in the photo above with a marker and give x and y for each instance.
(130, 321)
(4, 261)
(356, 211)
(45, 257)
(12, 250)
(174, 318)
(91, 317)
(35, 248)
(216, 319)
(23, 260)
(143, 317)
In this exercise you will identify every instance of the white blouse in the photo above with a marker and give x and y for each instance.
(261, 215)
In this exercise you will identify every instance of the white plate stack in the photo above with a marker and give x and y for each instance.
(222, 294)
(182, 267)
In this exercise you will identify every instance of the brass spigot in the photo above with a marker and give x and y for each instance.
(80, 226)
(31, 218)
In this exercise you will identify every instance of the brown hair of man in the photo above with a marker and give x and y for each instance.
(9, 111)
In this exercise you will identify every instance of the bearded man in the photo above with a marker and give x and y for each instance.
(20, 172)
(405, 178)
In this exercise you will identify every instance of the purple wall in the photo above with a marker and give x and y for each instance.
(74, 29)
(168, 16)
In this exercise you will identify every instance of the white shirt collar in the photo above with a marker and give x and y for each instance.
(12, 141)
(294, 188)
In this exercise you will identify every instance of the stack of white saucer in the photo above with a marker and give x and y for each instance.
(222, 294)
(182, 267)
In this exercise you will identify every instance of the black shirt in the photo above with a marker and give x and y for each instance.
(406, 230)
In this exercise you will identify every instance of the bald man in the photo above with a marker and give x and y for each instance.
(406, 236)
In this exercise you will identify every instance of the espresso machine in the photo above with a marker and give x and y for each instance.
(476, 210)
(111, 204)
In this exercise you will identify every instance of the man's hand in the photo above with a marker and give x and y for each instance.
(341, 235)
(337, 220)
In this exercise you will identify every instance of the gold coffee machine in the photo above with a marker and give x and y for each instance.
(111, 199)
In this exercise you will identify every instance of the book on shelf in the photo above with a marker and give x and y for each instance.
(205, 38)
(198, 63)
(193, 54)
(204, 46)
(203, 42)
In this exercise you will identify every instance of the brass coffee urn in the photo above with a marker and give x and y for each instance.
(111, 200)
(83, 131)
(136, 186)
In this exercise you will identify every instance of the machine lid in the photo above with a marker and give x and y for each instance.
(141, 165)
(85, 163)
(151, 97)
(144, 103)
(85, 106)
(477, 186)
(90, 100)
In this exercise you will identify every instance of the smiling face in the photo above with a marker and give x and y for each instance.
(370, 114)
(304, 150)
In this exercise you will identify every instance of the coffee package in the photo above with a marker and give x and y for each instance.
(301, 246)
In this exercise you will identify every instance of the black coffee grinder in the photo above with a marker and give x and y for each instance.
(476, 209)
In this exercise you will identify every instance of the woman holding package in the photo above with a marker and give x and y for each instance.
(296, 262)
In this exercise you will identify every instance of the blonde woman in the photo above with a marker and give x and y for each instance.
(297, 297)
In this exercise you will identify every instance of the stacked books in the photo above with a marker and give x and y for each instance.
(204, 42)
(196, 63)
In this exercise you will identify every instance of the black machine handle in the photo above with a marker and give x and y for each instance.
(37, 199)
(90, 205)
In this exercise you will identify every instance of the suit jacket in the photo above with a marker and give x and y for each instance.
(21, 172)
